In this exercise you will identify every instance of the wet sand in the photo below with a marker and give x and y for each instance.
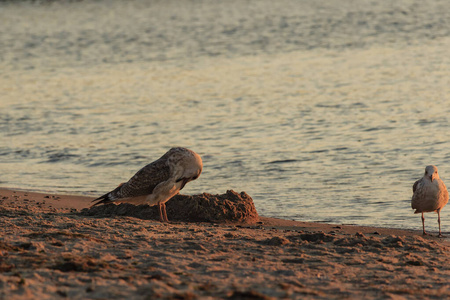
(49, 250)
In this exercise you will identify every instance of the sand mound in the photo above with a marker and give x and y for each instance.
(230, 207)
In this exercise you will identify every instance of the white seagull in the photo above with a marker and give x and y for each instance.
(430, 194)
(158, 181)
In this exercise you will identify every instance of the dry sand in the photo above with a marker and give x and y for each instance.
(49, 249)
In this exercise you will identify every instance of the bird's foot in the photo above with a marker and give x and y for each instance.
(424, 233)
(440, 235)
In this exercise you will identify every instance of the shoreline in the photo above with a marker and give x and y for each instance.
(48, 249)
(79, 202)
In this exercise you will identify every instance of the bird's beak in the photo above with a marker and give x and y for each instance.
(183, 183)
(432, 177)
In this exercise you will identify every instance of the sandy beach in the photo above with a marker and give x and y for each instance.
(49, 249)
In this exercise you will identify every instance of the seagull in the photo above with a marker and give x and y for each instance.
(158, 181)
(430, 194)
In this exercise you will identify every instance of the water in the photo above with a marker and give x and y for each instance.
(320, 110)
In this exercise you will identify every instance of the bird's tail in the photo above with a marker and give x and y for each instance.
(106, 198)
(102, 200)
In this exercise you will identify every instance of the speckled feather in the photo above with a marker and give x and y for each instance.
(164, 171)
(144, 181)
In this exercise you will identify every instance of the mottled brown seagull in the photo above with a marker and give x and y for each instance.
(158, 181)
(430, 194)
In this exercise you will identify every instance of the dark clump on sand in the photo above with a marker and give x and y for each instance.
(230, 207)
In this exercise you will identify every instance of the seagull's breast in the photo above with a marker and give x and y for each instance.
(163, 192)
(429, 196)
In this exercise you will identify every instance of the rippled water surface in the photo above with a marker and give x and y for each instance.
(320, 110)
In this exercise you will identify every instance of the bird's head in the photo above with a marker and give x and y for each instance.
(188, 163)
(193, 167)
(431, 172)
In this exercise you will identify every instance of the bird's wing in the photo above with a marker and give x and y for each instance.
(415, 186)
(142, 183)
(443, 195)
(415, 200)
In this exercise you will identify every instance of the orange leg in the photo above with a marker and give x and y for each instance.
(165, 213)
(423, 225)
(161, 218)
(439, 221)
(162, 212)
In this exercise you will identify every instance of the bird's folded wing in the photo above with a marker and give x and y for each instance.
(144, 181)
(416, 184)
